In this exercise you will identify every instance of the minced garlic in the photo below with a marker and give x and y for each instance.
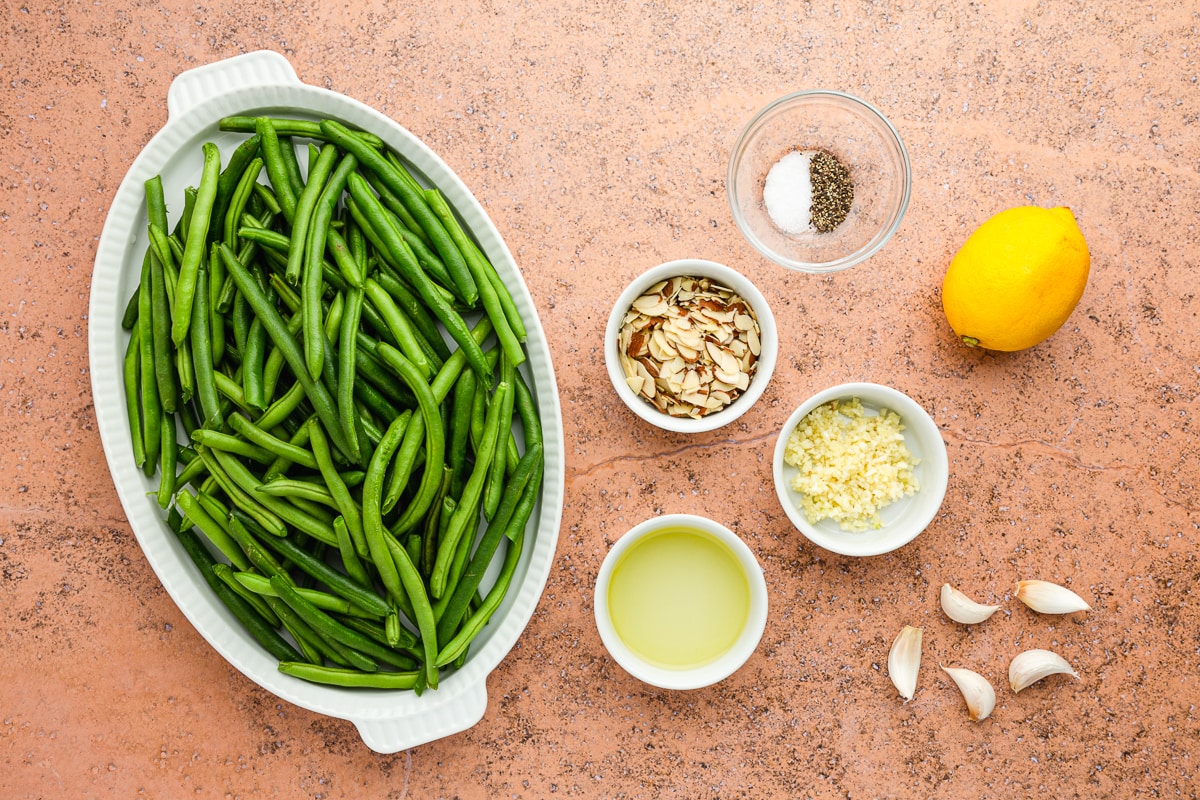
(851, 464)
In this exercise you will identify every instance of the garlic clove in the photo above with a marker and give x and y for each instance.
(1031, 666)
(1050, 598)
(979, 694)
(904, 661)
(961, 608)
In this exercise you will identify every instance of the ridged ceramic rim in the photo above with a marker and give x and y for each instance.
(264, 82)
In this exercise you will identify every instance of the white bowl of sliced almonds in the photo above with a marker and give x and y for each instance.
(690, 345)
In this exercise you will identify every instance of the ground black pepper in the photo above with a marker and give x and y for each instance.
(832, 191)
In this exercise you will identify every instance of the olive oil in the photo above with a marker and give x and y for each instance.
(679, 598)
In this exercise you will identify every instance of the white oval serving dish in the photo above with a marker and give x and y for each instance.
(264, 83)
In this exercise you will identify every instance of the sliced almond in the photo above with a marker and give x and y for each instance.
(689, 346)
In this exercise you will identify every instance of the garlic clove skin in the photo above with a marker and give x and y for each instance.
(1031, 666)
(961, 608)
(904, 661)
(1050, 598)
(976, 690)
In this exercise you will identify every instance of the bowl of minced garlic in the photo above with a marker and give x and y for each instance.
(860, 469)
(818, 181)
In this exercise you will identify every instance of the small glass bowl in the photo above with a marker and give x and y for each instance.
(859, 136)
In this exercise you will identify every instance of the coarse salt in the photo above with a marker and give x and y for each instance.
(788, 192)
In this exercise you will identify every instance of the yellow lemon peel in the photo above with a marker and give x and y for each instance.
(1016, 279)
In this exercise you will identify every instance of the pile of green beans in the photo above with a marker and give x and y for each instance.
(342, 474)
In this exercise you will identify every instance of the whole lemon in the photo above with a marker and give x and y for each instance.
(1017, 278)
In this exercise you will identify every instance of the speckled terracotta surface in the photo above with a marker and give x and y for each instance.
(596, 135)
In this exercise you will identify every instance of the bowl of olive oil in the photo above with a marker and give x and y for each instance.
(680, 602)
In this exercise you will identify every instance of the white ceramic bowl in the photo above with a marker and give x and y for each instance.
(731, 279)
(861, 138)
(903, 519)
(713, 671)
(264, 82)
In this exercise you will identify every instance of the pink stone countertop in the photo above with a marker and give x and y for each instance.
(596, 136)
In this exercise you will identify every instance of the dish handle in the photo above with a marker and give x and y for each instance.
(258, 68)
(438, 721)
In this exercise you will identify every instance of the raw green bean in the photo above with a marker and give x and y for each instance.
(347, 369)
(338, 582)
(228, 574)
(202, 354)
(253, 358)
(411, 305)
(231, 444)
(160, 245)
(346, 504)
(169, 455)
(456, 605)
(129, 317)
(267, 443)
(164, 357)
(350, 558)
(259, 557)
(468, 504)
(457, 646)
(330, 628)
(238, 495)
(277, 171)
(399, 325)
(393, 204)
(244, 190)
(502, 292)
(333, 676)
(131, 375)
(323, 647)
(289, 127)
(305, 521)
(265, 196)
(494, 485)
(194, 511)
(229, 181)
(317, 394)
(258, 628)
(283, 406)
(435, 441)
(196, 243)
(318, 175)
(287, 152)
(361, 192)
(414, 587)
(416, 204)
(313, 253)
(261, 584)
(151, 404)
(433, 522)
(298, 438)
(294, 487)
(441, 385)
(460, 427)
(229, 389)
(371, 369)
(374, 529)
(345, 261)
(487, 290)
